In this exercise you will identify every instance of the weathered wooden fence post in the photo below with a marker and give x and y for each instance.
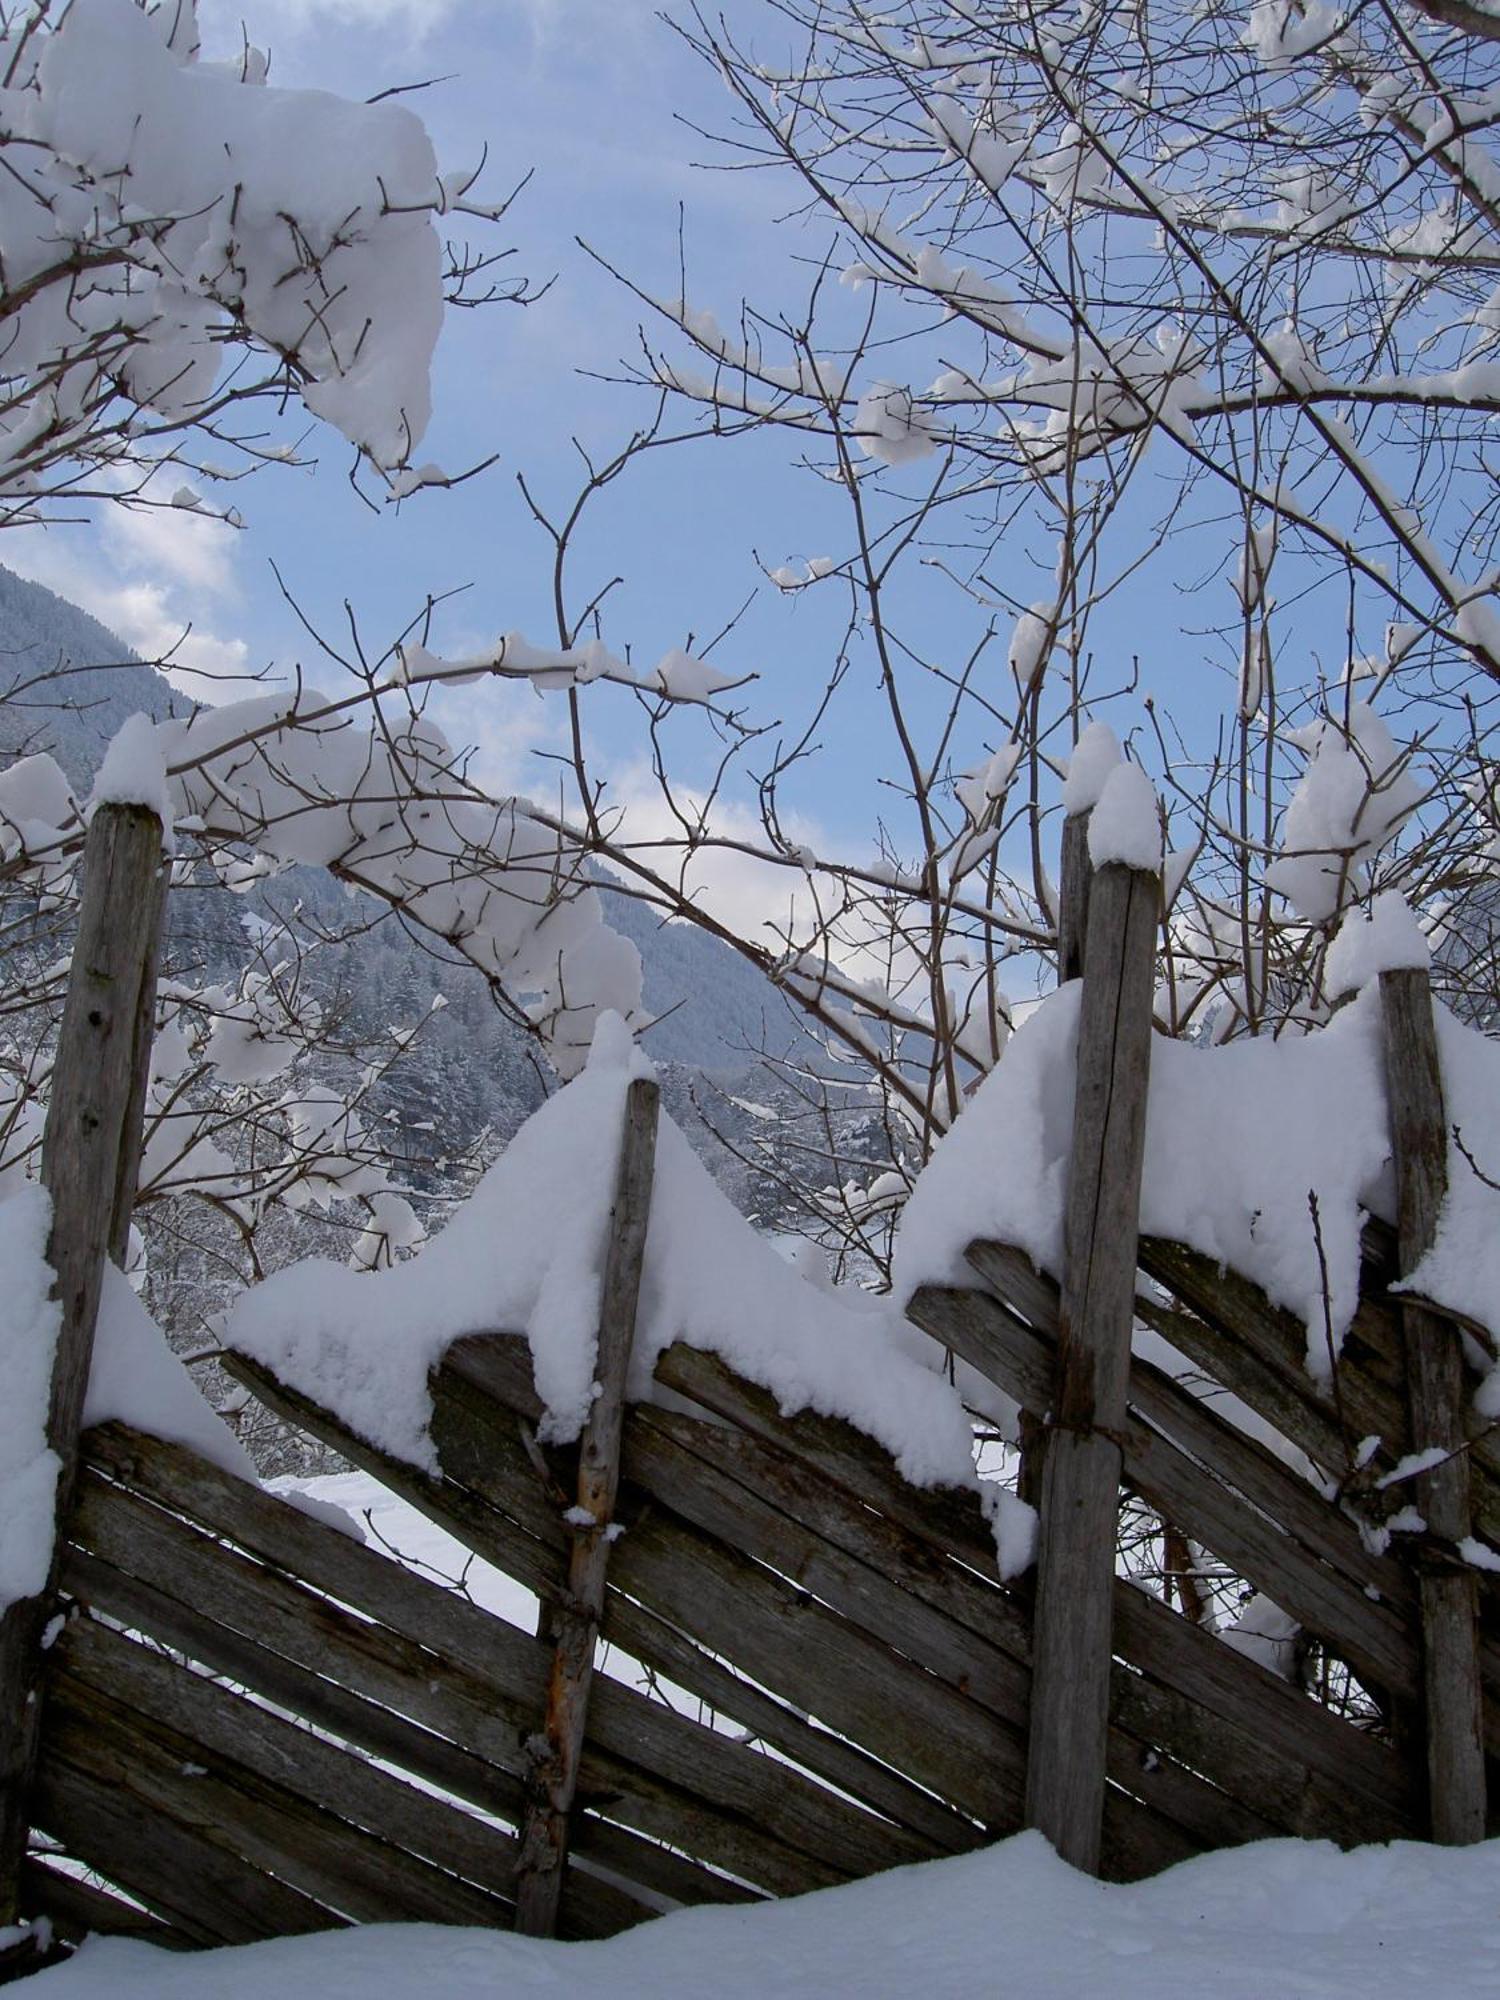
(1081, 1476)
(1435, 1395)
(1076, 876)
(574, 1619)
(90, 1158)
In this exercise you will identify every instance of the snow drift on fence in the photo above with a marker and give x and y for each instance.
(1239, 1137)
(526, 1254)
(135, 1376)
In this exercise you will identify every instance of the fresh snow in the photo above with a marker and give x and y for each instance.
(1280, 1920)
(134, 772)
(1125, 825)
(135, 1376)
(29, 1325)
(525, 1254)
(1303, 1115)
(1095, 755)
(1307, 1114)
(1384, 938)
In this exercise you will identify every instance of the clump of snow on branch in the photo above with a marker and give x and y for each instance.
(526, 1254)
(302, 778)
(158, 206)
(891, 427)
(1355, 793)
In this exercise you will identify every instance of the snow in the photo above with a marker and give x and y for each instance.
(1125, 825)
(1384, 938)
(1307, 1115)
(303, 778)
(1353, 796)
(891, 427)
(134, 772)
(1271, 1921)
(526, 1253)
(305, 218)
(134, 1376)
(29, 1326)
(1031, 642)
(36, 805)
(1095, 755)
(1462, 1269)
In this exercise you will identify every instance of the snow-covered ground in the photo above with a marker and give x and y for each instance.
(1285, 1920)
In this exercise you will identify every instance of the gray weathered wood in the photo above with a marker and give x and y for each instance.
(334, 1825)
(1076, 878)
(572, 1621)
(944, 1518)
(211, 1894)
(78, 1909)
(1241, 1461)
(775, 1633)
(1371, 1634)
(90, 1155)
(1068, 1741)
(645, 1766)
(1452, 1698)
(347, 1655)
(1256, 1775)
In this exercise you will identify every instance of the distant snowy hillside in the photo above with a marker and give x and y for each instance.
(66, 684)
(473, 1070)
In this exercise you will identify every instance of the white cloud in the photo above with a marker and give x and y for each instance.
(221, 19)
(82, 564)
(505, 723)
(194, 550)
(754, 898)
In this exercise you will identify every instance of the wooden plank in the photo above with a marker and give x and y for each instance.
(1241, 1461)
(79, 1909)
(1149, 1718)
(90, 1155)
(1352, 1787)
(774, 1632)
(646, 1766)
(757, 1499)
(591, 1908)
(1258, 1350)
(208, 1893)
(958, 1625)
(333, 1824)
(1067, 1749)
(1373, 1635)
(1452, 1698)
(943, 1518)
(571, 1622)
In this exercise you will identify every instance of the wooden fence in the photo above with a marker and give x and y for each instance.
(253, 1725)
